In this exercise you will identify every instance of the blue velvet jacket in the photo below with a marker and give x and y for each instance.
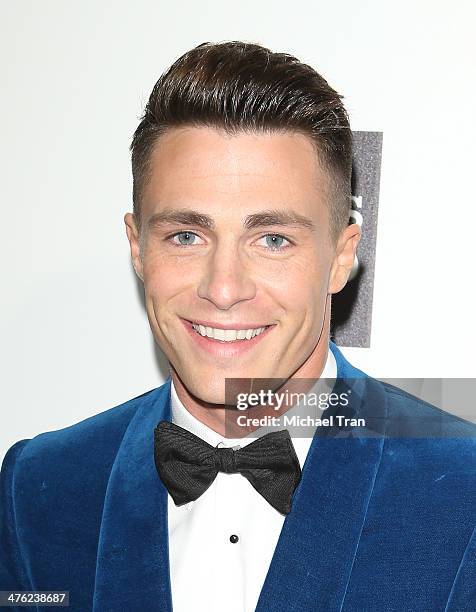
(383, 518)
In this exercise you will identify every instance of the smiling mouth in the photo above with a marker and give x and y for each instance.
(227, 335)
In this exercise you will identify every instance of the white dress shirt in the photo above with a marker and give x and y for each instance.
(208, 572)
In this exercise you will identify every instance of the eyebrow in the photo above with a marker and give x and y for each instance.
(264, 218)
(278, 217)
(181, 217)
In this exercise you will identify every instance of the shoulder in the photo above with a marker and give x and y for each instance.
(399, 413)
(52, 488)
(423, 443)
(404, 414)
(92, 442)
(419, 416)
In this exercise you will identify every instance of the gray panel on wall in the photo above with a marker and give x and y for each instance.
(351, 317)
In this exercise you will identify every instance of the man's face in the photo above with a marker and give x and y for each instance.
(235, 255)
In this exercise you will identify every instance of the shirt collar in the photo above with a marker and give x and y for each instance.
(183, 418)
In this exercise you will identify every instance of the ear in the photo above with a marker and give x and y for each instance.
(133, 236)
(344, 257)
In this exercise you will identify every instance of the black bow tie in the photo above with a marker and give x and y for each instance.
(187, 465)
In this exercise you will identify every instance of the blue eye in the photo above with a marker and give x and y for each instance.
(184, 238)
(275, 242)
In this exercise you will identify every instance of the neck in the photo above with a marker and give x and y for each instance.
(214, 416)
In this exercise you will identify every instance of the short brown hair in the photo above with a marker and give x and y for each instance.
(239, 86)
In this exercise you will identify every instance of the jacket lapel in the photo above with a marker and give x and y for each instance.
(313, 559)
(312, 562)
(132, 571)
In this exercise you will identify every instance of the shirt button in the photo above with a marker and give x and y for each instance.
(234, 539)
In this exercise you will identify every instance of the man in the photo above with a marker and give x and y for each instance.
(240, 234)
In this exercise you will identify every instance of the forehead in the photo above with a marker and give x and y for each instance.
(206, 168)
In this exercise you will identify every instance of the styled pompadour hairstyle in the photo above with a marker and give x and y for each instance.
(244, 87)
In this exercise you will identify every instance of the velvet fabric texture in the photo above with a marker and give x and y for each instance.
(383, 518)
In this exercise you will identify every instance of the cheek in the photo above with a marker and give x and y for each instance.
(300, 286)
(165, 278)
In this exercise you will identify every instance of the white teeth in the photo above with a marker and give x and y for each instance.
(219, 334)
(227, 335)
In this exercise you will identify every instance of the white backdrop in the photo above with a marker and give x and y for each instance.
(75, 76)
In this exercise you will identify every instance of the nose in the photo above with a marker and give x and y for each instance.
(226, 278)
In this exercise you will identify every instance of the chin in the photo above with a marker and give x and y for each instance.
(224, 388)
(211, 392)
(218, 387)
